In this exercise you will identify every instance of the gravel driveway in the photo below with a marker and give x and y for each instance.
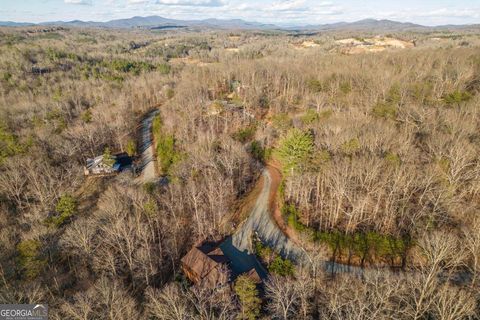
(147, 163)
(261, 223)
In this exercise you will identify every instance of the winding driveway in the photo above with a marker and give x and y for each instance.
(261, 223)
(147, 150)
(266, 222)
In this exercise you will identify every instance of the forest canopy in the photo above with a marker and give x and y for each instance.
(371, 159)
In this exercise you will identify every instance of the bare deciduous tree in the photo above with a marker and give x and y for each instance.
(284, 297)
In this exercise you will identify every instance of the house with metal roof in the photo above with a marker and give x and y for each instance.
(117, 163)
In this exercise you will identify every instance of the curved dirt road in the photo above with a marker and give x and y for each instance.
(266, 221)
(260, 221)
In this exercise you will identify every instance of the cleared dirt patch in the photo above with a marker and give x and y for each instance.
(376, 44)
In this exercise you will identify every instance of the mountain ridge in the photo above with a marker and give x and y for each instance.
(157, 22)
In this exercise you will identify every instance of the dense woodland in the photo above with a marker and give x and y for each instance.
(379, 156)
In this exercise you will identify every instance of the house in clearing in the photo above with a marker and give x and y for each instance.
(98, 165)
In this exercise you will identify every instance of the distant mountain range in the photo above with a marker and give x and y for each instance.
(151, 22)
(366, 24)
(157, 22)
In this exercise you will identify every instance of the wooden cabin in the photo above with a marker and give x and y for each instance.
(206, 265)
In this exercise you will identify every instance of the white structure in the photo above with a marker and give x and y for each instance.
(98, 166)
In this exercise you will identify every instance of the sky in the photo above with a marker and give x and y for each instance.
(280, 12)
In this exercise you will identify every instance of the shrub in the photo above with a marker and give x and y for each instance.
(310, 116)
(457, 97)
(320, 158)
(281, 121)
(65, 208)
(282, 267)
(87, 116)
(131, 148)
(245, 134)
(9, 145)
(66, 205)
(351, 146)
(29, 258)
(149, 187)
(385, 110)
(134, 67)
(55, 54)
(7, 76)
(291, 213)
(150, 208)
(421, 91)
(265, 253)
(263, 101)
(345, 87)
(393, 159)
(166, 152)
(164, 68)
(314, 85)
(394, 95)
(258, 152)
(275, 263)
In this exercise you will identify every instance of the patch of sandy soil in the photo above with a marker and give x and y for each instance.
(349, 41)
(391, 42)
(373, 45)
(232, 49)
(362, 49)
(188, 61)
(306, 44)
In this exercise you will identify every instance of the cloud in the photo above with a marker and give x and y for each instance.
(138, 1)
(192, 3)
(293, 5)
(454, 13)
(444, 14)
(84, 2)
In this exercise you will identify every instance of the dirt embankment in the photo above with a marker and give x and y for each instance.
(273, 168)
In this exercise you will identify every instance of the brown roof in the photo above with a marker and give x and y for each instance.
(253, 275)
(199, 262)
(218, 276)
(206, 261)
